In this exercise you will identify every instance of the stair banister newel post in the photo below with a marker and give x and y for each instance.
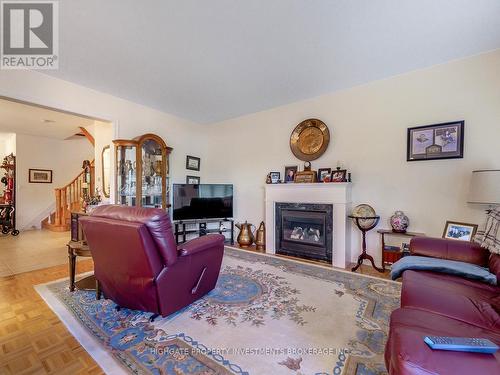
(58, 204)
(64, 204)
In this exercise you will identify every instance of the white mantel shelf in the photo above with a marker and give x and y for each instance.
(337, 194)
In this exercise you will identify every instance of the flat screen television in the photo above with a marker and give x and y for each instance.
(203, 201)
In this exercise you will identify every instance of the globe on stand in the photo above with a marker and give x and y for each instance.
(366, 219)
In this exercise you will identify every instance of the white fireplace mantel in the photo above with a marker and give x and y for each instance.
(336, 194)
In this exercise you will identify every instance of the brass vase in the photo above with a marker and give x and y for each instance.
(260, 237)
(245, 238)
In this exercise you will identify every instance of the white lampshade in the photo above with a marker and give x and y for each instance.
(485, 187)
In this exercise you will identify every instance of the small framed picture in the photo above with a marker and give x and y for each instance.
(338, 175)
(459, 231)
(290, 172)
(192, 180)
(40, 176)
(275, 177)
(324, 174)
(438, 141)
(193, 163)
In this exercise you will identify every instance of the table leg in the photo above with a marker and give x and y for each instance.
(97, 290)
(360, 262)
(370, 258)
(383, 252)
(72, 266)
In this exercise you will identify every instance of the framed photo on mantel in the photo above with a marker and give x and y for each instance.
(438, 141)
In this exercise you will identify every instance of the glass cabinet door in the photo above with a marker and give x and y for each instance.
(126, 182)
(153, 176)
(142, 171)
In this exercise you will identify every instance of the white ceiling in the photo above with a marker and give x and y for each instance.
(27, 119)
(212, 60)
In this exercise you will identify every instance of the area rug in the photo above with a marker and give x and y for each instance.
(267, 315)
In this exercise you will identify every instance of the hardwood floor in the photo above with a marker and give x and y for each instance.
(33, 340)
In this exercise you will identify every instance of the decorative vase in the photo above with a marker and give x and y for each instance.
(245, 238)
(260, 237)
(399, 222)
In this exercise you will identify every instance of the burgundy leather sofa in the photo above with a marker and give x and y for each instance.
(444, 305)
(138, 264)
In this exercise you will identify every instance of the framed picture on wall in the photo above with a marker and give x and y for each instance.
(459, 231)
(193, 163)
(40, 176)
(438, 141)
(192, 180)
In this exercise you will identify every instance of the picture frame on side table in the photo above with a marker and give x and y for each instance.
(437, 141)
(339, 175)
(40, 176)
(275, 177)
(192, 180)
(290, 173)
(323, 173)
(193, 163)
(459, 231)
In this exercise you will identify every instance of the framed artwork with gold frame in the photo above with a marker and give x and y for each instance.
(454, 230)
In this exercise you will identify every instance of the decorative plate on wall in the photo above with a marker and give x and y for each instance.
(309, 139)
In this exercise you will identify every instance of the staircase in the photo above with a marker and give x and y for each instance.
(68, 198)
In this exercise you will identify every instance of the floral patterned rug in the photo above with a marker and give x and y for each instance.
(267, 315)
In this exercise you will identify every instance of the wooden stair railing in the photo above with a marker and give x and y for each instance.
(69, 198)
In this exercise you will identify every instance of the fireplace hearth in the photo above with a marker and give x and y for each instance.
(304, 230)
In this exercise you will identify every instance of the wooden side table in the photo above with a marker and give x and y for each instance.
(80, 249)
(391, 254)
(76, 229)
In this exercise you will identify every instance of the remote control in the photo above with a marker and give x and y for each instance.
(461, 344)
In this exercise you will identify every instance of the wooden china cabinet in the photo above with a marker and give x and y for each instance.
(142, 171)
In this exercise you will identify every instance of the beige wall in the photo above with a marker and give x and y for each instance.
(368, 127)
(129, 119)
(35, 201)
(103, 136)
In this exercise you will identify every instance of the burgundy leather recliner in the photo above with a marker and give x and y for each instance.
(138, 264)
(438, 304)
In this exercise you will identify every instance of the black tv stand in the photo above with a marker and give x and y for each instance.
(181, 231)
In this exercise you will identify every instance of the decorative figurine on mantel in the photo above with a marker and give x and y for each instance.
(307, 175)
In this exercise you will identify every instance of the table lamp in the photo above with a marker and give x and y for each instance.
(485, 187)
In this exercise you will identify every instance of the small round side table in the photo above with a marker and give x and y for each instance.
(81, 249)
(364, 255)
